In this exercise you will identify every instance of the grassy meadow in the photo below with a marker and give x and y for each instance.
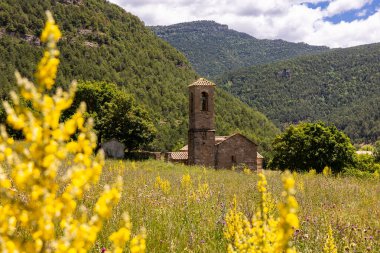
(183, 218)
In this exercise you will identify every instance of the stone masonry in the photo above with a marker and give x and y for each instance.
(204, 148)
(201, 123)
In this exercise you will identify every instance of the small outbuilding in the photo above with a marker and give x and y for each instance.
(113, 149)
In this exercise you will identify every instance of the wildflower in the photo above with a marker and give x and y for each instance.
(203, 191)
(186, 181)
(327, 171)
(46, 207)
(330, 246)
(137, 244)
(163, 185)
(247, 171)
(264, 233)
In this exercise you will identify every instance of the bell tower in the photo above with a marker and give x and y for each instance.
(201, 138)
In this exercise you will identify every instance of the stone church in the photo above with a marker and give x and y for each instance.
(204, 148)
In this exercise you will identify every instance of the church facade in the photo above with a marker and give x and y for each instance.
(204, 148)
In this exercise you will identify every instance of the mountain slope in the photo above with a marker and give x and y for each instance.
(103, 42)
(213, 49)
(341, 86)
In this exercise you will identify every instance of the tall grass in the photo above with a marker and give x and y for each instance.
(177, 223)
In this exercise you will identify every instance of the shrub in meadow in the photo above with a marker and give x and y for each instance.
(39, 193)
(314, 145)
(264, 233)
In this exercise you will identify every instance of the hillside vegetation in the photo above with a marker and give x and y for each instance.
(213, 49)
(341, 86)
(102, 42)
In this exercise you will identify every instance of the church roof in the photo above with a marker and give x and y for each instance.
(202, 82)
(218, 139)
(185, 148)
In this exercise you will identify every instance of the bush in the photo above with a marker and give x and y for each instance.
(357, 173)
(312, 145)
(366, 163)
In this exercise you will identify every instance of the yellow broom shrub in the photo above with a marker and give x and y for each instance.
(39, 193)
(264, 233)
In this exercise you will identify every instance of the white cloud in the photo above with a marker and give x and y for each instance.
(291, 20)
(340, 6)
(362, 13)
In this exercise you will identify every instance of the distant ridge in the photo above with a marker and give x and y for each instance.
(103, 42)
(341, 86)
(213, 48)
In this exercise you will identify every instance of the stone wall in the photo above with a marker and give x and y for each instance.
(202, 148)
(260, 162)
(237, 151)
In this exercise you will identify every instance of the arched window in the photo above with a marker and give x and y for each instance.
(204, 101)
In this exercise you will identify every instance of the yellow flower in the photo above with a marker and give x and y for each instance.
(264, 233)
(327, 171)
(34, 170)
(330, 246)
(137, 244)
(186, 181)
(163, 185)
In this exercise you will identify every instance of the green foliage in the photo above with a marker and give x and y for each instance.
(312, 145)
(352, 172)
(364, 162)
(115, 114)
(339, 86)
(213, 49)
(376, 152)
(102, 42)
(367, 147)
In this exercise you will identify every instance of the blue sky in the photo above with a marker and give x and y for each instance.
(361, 13)
(334, 23)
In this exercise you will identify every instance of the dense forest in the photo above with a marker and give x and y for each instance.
(102, 42)
(213, 49)
(341, 86)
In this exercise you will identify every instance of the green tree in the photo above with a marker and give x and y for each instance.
(115, 114)
(126, 122)
(312, 145)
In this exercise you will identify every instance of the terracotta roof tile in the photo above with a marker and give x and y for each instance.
(202, 82)
(178, 155)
